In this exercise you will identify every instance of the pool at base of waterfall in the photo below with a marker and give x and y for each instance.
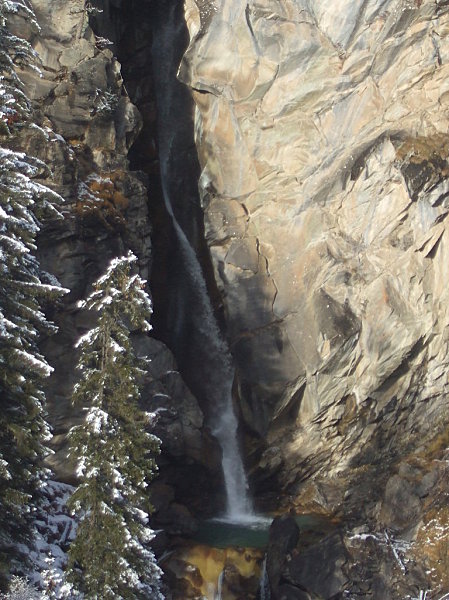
(254, 531)
(227, 556)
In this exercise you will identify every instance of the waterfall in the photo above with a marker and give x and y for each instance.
(219, 586)
(192, 310)
(264, 585)
(239, 506)
(218, 384)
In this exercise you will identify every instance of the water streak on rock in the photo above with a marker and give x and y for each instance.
(214, 359)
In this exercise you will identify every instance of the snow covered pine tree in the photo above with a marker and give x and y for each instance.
(110, 558)
(23, 429)
(14, 51)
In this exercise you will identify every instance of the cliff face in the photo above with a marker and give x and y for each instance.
(84, 125)
(322, 131)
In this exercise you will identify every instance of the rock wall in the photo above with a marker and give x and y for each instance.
(322, 132)
(84, 125)
(323, 139)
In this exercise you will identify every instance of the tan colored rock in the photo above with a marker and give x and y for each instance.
(322, 133)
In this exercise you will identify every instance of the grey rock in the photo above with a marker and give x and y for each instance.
(321, 568)
(401, 505)
(176, 519)
(162, 495)
(290, 592)
(428, 483)
(322, 143)
(284, 536)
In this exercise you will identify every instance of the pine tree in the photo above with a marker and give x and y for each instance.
(14, 51)
(109, 558)
(21, 589)
(23, 429)
(23, 201)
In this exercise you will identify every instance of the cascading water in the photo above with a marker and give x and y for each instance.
(239, 506)
(218, 595)
(194, 304)
(219, 384)
(264, 585)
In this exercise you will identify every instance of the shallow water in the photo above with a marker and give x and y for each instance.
(251, 532)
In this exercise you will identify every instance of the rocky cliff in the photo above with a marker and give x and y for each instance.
(322, 135)
(83, 127)
(322, 131)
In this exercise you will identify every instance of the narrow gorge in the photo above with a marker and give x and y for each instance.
(281, 170)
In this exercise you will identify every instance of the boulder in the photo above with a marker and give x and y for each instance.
(283, 538)
(320, 569)
(175, 519)
(401, 505)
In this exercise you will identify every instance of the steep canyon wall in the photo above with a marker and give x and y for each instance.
(322, 132)
(322, 135)
(84, 125)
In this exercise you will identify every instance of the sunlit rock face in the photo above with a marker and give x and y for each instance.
(322, 133)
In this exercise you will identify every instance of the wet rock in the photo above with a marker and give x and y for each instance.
(189, 452)
(202, 568)
(237, 586)
(182, 579)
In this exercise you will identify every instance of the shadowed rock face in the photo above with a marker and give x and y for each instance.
(84, 125)
(322, 133)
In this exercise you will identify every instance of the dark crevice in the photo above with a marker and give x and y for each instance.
(149, 39)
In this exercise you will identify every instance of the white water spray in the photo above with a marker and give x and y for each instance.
(214, 356)
(219, 390)
(239, 506)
